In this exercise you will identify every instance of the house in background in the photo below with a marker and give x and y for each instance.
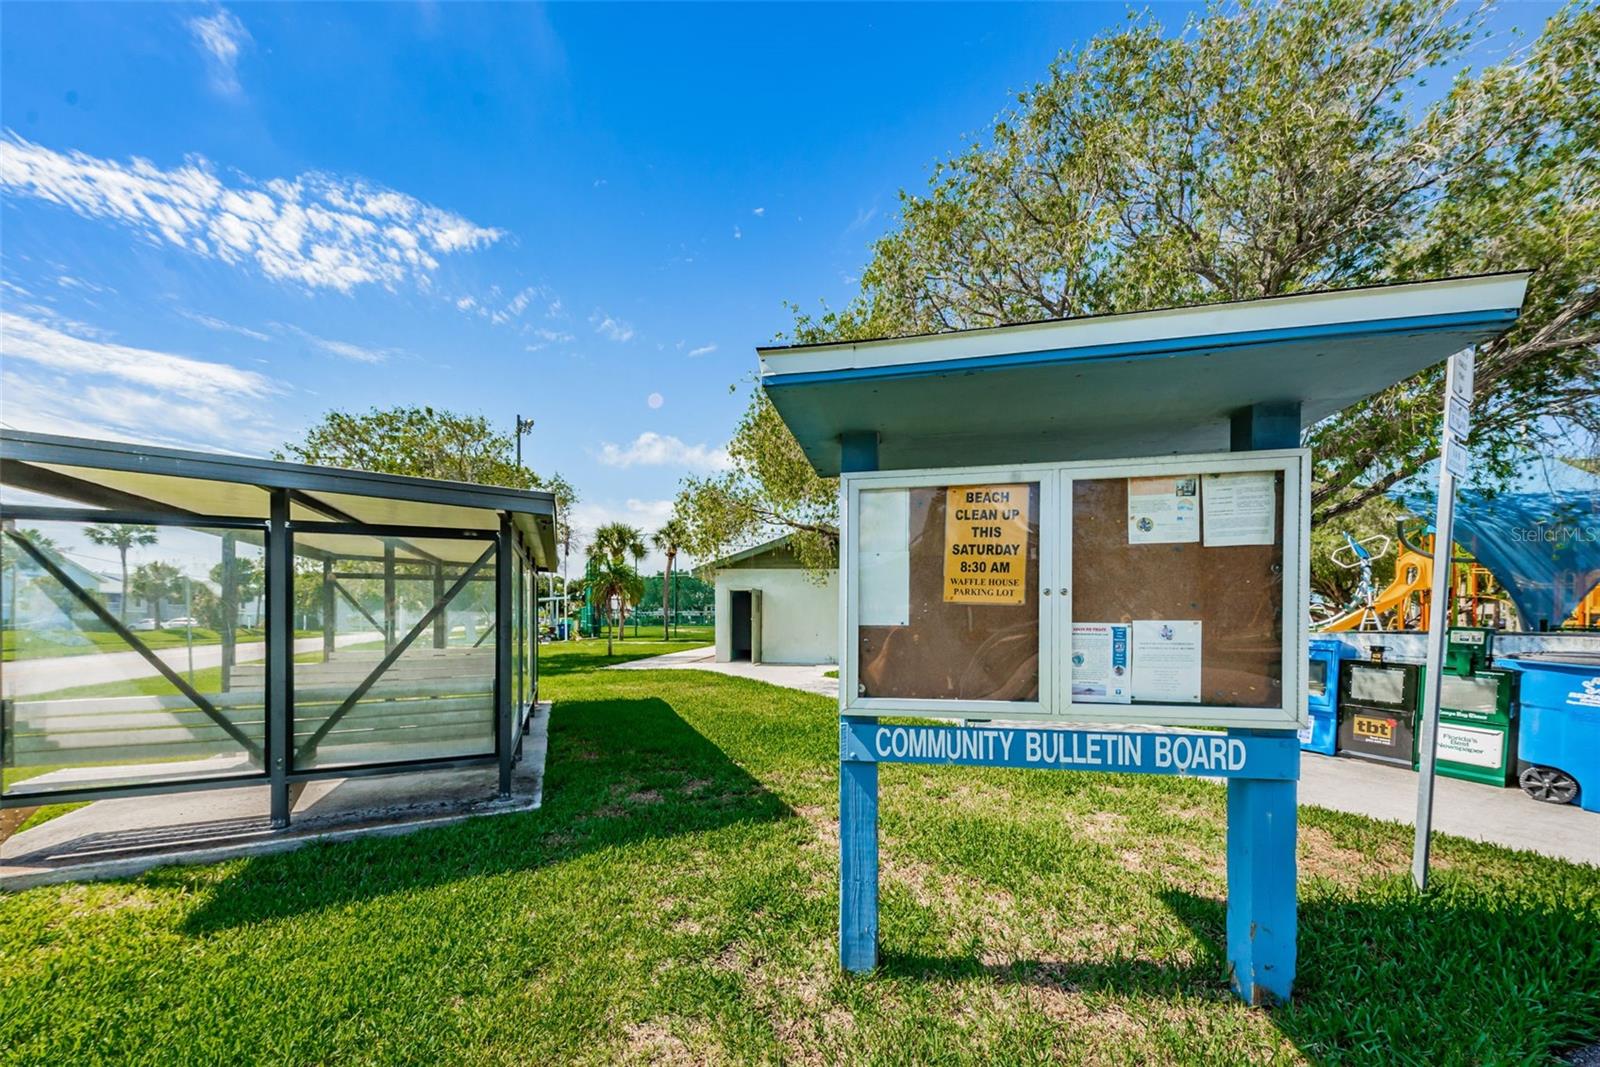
(771, 610)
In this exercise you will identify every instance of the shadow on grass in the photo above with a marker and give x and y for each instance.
(619, 772)
(1384, 975)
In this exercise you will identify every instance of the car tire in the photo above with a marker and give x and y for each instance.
(1548, 785)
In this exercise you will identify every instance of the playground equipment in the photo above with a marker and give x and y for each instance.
(1405, 604)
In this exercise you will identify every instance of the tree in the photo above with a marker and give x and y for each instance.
(422, 442)
(154, 582)
(609, 548)
(668, 540)
(612, 580)
(770, 487)
(122, 536)
(1265, 149)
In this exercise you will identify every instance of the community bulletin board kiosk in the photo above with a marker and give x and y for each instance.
(1100, 520)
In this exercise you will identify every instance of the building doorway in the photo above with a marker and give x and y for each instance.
(743, 647)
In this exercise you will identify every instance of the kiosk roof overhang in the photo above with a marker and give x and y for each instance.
(176, 482)
(1146, 383)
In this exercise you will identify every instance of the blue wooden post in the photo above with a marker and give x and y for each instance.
(1262, 880)
(858, 801)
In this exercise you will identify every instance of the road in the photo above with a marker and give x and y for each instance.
(27, 677)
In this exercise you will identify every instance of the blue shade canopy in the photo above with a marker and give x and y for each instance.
(1148, 383)
(1543, 545)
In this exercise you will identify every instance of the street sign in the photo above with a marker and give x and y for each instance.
(1458, 417)
(1462, 366)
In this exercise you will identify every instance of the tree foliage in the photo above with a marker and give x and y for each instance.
(1265, 149)
(426, 442)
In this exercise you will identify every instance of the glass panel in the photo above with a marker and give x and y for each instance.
(1480, 693)
(436, 698)
(86, 707)
(948, 592)
(1383, 686)
(1318, 677)
(1193, 565)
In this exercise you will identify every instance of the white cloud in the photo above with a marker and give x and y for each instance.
(703, 350)
(44, 345)
(211, 322)
(342, 349)
(547, 338)
(758, 212)
(318, 230)
(220, 36)
(737, 233)
(651, 449)
(64, 382)
(466, 303)
(616, 329)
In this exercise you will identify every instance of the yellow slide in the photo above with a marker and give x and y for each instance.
(1413, 577)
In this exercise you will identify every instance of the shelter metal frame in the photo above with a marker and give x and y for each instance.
(516, 532)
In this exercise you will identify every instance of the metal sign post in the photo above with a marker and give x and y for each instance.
(1453, 465)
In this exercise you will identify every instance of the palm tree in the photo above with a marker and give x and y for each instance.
(122, 536)
(613, 544)
(154, 581)
(669, 539)
(612, 579)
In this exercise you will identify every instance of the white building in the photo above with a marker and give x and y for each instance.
(771, 610)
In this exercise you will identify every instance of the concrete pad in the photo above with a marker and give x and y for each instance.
(809, 677)
(1506, 817)
(124, 837)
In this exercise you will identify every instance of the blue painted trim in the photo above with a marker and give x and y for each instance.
(1165, 347)
(1271, 755)
(858, 863)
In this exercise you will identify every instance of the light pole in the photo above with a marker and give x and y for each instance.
(523, 426)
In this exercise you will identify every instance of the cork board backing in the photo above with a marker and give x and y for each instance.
(1236, 591)
(954, 651)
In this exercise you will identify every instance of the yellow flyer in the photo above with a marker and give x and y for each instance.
(986, 544)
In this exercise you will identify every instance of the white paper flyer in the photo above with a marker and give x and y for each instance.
(1166, 655)
(1163, 511)
(1240, 508)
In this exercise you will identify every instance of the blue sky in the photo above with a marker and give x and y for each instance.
(219, 222)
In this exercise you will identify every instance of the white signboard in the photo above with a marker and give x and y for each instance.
(1462, 366)
(1458, 418)
(1467, 744)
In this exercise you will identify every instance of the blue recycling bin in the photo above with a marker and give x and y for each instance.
(1320, 732)
(1559, 752)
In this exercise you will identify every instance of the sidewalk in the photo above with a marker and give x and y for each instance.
(809, 677)
(1480, 813)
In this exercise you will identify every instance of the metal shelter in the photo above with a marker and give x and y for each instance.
(334, 623)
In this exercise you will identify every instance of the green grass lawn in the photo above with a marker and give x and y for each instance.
(675, 900)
